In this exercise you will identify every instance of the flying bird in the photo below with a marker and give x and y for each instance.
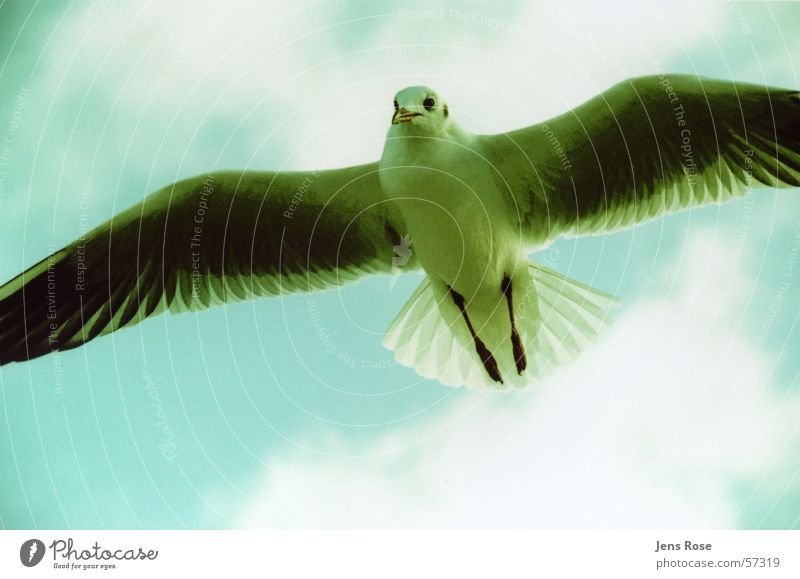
(467, 209)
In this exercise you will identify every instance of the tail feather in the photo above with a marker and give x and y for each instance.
(407, 320)
(571, 337)
(562, 319)
(579, 312)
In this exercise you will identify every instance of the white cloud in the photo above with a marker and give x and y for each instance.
(651, 428)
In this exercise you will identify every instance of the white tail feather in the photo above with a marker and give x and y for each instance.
(558, 319)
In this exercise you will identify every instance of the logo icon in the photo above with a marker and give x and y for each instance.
(31, 552)
(402, 255)
(402, 252)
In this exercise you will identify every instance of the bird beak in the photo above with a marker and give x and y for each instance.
(402, 115)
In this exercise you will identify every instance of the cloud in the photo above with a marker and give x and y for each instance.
(655, 426)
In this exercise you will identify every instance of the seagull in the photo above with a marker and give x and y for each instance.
(466, 209)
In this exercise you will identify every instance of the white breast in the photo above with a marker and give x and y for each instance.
(459, 226)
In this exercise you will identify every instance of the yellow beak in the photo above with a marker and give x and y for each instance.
(402, 115)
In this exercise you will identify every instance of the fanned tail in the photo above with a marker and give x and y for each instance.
(557, 318)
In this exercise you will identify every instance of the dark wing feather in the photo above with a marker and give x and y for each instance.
(645, 147)
(206, 240)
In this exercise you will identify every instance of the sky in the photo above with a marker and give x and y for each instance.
(287, 412)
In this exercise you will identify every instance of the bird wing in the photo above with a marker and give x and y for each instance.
(205, 240)
(647, 146)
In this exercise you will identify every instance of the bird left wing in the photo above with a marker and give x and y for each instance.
(205, 240)
(647, 146)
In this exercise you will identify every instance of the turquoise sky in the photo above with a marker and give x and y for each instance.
(288, 412)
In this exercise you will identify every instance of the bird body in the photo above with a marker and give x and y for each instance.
(472, 208)
(459, 226)
(462, 231)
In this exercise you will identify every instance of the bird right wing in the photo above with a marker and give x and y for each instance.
(645, 147)
(202, 241)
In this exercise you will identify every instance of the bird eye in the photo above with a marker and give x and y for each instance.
(396, 106)
(428, 103)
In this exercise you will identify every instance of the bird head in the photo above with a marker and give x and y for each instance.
(420, 109)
